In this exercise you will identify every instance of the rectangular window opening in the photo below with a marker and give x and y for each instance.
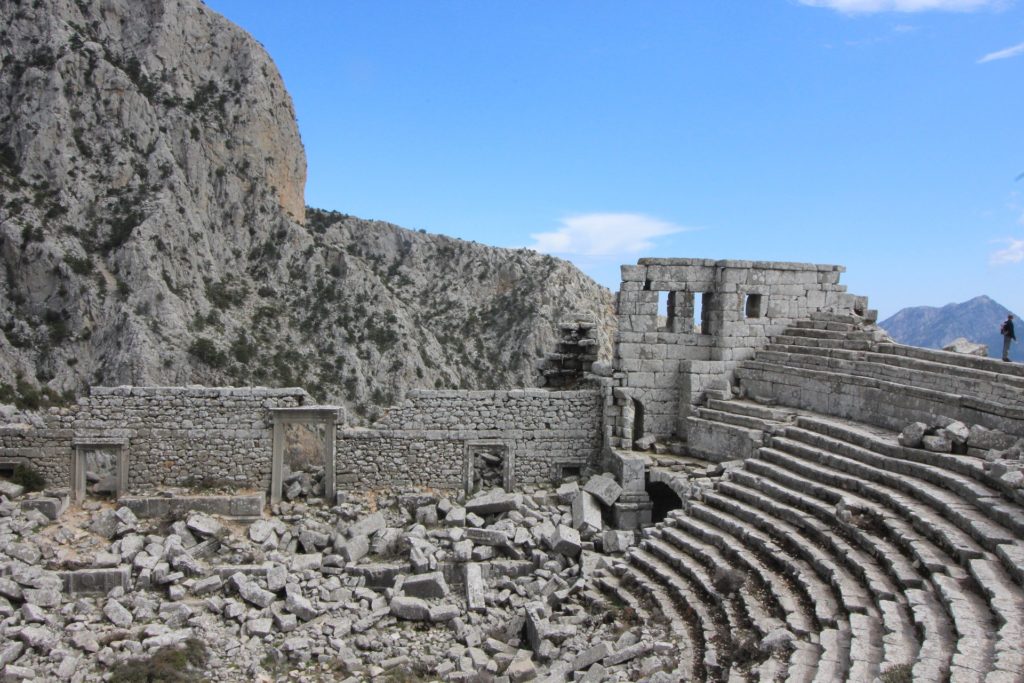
(752, 308)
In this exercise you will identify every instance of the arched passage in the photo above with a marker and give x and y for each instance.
(663, 500)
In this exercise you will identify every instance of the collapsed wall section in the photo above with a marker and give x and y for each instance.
(432, 438)
(684, 325)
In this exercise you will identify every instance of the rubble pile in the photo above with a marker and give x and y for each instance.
(410, 586)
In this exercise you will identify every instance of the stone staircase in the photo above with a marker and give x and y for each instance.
(878, 561)
(836, 365)
(875, 558)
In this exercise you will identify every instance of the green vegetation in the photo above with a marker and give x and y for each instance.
(898, 674)
(30, 478)
(171, 664)
(207, 352)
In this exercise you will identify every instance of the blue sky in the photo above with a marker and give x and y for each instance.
(884, 135)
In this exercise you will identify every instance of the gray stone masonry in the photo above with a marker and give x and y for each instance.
(422, 441)
(664, 365)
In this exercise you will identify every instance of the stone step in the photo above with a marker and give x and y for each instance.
(840, 358)
(753, 611)
(746, 520)
(811, 540)
(937, 638)
(844, 326)
(955, 359)
(704, 632)
(698, 581)
(911, 498)
(822, 526)
(797, 344)
(967, 503)
(975, 644)
(825, 486)
(751, 409)
(891, 404)
(738, 420)
(834, 664)
(1006, 600)
(811, 333)
(784, 601)
(960, 473)
(684, 553)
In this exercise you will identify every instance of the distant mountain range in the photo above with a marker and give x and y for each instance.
(977, 320)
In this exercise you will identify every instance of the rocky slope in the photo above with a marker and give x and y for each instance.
(977, 320)
(152, 231)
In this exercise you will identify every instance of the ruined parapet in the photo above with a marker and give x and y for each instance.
(568, 365)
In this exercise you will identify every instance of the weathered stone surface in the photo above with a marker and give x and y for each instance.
(300, 606)
(411, 609)
(937, 443)
(604, 488)
(430, 585)
(912, 434)
(10, 489)
(204, 525)
(475, 588)
(117, 614)
(250, 592)
(566, 541)
(491, 502)
(956, 432)
(367, 525)
(586, 514)
(965, 346)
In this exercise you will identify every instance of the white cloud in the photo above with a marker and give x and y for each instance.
(872, 6)
(1003, 54)
(1012, 253)
(604, 234)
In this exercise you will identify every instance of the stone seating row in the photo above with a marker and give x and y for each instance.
(987, 386)
(962, 534)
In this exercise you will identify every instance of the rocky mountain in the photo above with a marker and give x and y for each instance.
(153, 231)
(977, 320)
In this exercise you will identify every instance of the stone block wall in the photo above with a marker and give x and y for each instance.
(422, 442)
(173, 435)
(665, 365)
(47, 449)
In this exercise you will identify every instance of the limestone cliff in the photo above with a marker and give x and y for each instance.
(153, 231)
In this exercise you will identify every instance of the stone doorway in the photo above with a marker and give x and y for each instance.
(303, 457)
(487, 464)
(99, 468)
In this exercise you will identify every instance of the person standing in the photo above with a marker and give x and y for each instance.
(1008, 335)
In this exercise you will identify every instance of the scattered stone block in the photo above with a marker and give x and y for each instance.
(566, 541)
(586, 514)
(51, 508)
(604, 488)
(956, 432)
(445, 612)
(937, 443)
(204, 525)
(492, 502)
(367, 526)
(300, 606)
(430, 585)
(354, 549)
(475, 588)
(10, 489)
(617, 541)
(567, 492)
(117, 614)
(913, 434)
(492, 537)
(410, 609)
